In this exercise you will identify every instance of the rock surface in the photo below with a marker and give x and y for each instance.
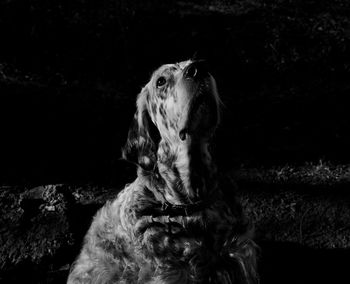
(42, 230)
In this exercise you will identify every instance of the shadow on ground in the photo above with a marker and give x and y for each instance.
(290, 263)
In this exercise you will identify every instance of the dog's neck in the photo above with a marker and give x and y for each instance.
(187, 171)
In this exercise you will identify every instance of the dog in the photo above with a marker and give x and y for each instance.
(176, 223)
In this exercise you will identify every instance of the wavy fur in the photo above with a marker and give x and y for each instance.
(175, 223)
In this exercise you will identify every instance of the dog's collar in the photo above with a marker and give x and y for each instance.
(171, 210)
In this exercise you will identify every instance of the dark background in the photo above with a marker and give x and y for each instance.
(70, 72)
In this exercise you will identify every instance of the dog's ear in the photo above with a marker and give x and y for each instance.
(143, 137)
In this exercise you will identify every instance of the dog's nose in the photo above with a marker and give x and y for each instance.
(195, 70)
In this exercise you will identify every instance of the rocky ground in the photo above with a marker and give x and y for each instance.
(302, 228)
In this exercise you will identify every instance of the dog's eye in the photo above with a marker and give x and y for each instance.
(160, 82)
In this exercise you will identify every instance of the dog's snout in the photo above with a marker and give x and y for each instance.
(191, 71)
(195, 70)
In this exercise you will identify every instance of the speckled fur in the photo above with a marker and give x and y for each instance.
(129, 241)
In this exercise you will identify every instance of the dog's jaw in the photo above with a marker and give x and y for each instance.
(200, 115)
(187, 170)
(186, 128)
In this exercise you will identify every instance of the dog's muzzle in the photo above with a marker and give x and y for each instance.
(196, 70)
(203, 113)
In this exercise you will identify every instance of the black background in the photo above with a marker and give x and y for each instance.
(70, 73)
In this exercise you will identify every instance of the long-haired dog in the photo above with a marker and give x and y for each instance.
(175, 223)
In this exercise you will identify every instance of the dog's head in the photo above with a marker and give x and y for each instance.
(177, 110)
(182, 101)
